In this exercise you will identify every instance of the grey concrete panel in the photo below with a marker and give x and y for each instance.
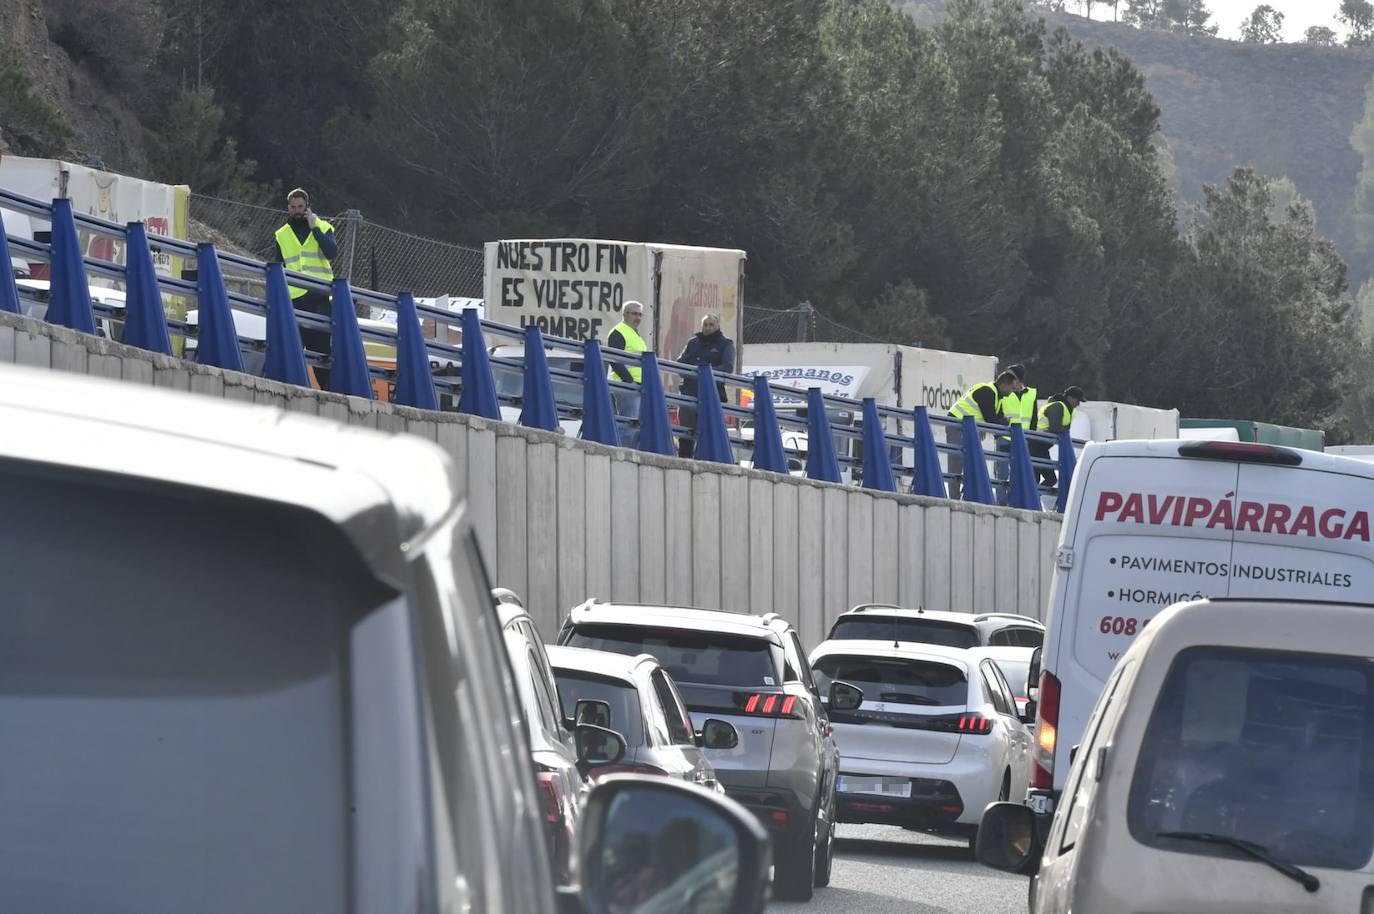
(541, 552)
(481, 493)
(571, 527)
(452, 436)
(677, 540)
(706, 540)
(513, 541)
(7, 344)
(734, 542)
(1049, 544)
(655, 526)
(598, 530)
(1028, 600)
(911, 557)
(835, 555)
(35, 349)
(963, 562)
(786, 537)
(984, 562)
(70, 355)
(810, 564)
(859, 549)
(625, 540)
(761, 533)
(422, 428)
(1006, 578)
(937, 557)
(335, 410)
(211, 384)
(886, 549)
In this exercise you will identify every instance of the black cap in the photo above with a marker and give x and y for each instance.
(1075, 392)
(1019, 370)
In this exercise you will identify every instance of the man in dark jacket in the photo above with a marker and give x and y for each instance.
(1055, 418)
(709, 347)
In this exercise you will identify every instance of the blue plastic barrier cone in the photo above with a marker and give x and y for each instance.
(820, 443)
(478, 397)
(414, 380)
(217, 341)
(285, 360)
(348, 372)
(1068, 461)
(145, 320)
(598, 413)
(977, 485)
(877, 463)
(713, 441)
(927, 477)
(69, 298)
(539, 408)
(1025, 488)
(655, 428)
(9, 291)
(768, 450)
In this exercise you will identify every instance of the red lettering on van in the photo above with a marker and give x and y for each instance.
(1276, 518)
(1305, 522)
(1108, 501)
(1251, 513)
(1198, 508)
(1251, 516)
(1327, 530)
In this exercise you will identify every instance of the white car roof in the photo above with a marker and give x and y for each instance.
(901, 650)
(1168, 447)
(973, 619)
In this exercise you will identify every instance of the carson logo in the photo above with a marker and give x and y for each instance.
(1254, 516)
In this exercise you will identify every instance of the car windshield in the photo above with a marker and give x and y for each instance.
(621, 696)
(700, 657)
(1269, 747)
(863, 627)
(896, 680)
(510, 382)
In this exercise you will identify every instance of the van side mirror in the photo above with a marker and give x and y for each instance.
(1033, 674)
(1007, 839)
(1028, 716)
(717, 734)
(597, 746)
(667, 845)
(844, 697)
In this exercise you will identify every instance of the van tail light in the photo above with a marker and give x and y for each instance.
(550, 786)
(974, 723)
(773, 704)
(1046, 733)
(1243, 451)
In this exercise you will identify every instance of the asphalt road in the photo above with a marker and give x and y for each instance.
(883, 870)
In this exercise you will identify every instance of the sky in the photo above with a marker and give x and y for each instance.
(1228, 14)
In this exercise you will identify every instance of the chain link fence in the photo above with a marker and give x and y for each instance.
(802, 324)
(371, 256)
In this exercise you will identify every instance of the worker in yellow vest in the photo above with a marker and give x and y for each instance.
(984, 403)
(625, 336)
(305, 244)
(1019, 408)
(1056, 417)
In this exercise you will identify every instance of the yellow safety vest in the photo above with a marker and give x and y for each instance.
(1068, 412)
(1020, 408)
(304, 257)
(967, 406)
(633, 343)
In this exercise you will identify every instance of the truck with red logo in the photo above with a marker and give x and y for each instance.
(1152, 523)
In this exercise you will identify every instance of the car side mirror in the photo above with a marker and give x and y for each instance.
(844, 697)
(1007, 839)
(597, 746)
(1033, 674)
(1028, 716)
(717, 734)
(592, 711)
(667, 845)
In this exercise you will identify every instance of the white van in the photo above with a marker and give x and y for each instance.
(1228, 766)
(1152, 523)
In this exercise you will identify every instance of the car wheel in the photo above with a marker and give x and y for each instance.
(825, 849)
(794, 866)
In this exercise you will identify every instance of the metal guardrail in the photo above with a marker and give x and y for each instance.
(439, 352)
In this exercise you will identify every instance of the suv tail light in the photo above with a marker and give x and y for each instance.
(550, 786)
(1243, 451)
(974, 723)
(773, 704)
(1046, 733)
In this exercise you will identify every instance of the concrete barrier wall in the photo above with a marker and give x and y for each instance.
(561, 520)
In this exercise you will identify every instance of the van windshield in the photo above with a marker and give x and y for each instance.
(905, 628)
(1269, 747)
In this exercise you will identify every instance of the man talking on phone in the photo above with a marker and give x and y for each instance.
(305, 244)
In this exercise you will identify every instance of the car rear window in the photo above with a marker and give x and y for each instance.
(1271, 747)
(621, 696)
(896, 680)
(900, 628)
(707, 658)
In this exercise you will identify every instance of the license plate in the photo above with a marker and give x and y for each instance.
(876, 786)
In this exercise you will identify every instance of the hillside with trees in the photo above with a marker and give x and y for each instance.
(979, 182)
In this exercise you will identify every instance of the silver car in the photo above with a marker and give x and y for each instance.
(887, 622)
(750, 671)
(642, 704)
(936, 739)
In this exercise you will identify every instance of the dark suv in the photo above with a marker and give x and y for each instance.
(751, 671)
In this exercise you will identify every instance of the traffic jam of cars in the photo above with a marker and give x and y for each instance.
(376, 725)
